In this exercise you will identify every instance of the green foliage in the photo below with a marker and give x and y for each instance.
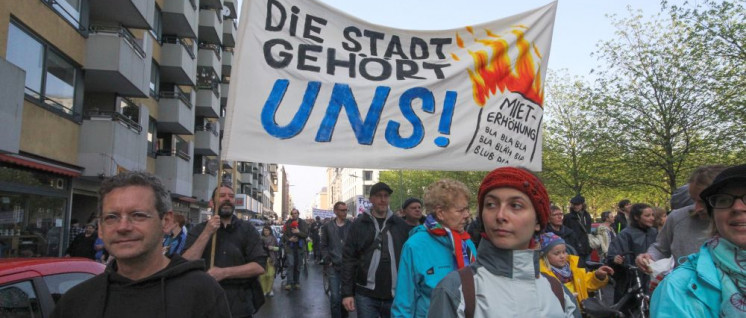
(412, 183)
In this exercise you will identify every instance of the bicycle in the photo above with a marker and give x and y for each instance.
(634, 304)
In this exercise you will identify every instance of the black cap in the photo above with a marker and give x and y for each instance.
(578, 199)
(735, 174)
(378, 187)
(410, 201)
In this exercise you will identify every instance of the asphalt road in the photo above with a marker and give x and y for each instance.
(309, 301)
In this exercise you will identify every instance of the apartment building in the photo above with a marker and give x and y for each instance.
(92, 88)
(348, 184)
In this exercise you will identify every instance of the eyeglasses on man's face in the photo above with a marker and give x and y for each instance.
(134, 217)
(724, 200)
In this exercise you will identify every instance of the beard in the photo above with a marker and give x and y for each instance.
(226, 210)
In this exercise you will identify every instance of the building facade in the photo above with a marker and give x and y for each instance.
(93, 88)
(347, 184)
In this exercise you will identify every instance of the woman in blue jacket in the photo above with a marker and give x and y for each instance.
(434, 249)
(712, 283)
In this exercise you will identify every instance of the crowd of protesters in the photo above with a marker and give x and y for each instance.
(521, 256)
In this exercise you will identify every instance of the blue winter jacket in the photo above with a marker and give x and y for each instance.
(691, 290)
(425, 260)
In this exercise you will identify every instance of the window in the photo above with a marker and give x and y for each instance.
(366, 189)
(367, 175)
(50, 77)
(157, 30)
(59, 284)
(152, 141)
(69, 10)
(19, 301)
(155, 78)
(129, 110)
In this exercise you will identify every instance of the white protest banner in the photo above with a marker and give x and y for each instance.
(314, 86)
(324, 214)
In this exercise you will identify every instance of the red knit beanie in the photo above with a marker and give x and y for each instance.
(521, 180)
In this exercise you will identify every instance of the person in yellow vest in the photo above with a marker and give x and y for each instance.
(557, 263)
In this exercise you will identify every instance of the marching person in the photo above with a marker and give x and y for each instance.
(134, 210)
(435, 248)
(371, 255)
(239, 253)
(332, 241)
(505, 281)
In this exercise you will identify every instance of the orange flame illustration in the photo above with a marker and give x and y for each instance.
(499, 71)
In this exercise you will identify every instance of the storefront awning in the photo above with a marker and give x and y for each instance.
(39, 164)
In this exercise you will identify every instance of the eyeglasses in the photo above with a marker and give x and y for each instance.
(134, 217)
(724, 200)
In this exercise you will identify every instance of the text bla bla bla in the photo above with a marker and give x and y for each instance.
(504, 149)
(517, 144)
(491, 155)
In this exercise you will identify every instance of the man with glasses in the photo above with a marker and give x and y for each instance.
(239, 253)
(371, 256)
(134, 209)
(555, 225)
(332, 240)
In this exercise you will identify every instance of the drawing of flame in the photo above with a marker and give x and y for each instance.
(497, 70)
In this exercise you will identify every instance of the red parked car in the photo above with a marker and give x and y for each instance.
(30, 287)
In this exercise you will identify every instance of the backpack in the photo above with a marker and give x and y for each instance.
(467, 287)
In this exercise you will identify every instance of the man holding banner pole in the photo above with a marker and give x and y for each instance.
(239, 256)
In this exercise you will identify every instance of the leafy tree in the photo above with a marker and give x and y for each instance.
(573, 158)
(653, 94)
(412, 183)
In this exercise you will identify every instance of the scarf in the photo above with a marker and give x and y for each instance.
(564, 274)
(731, 260)
(461, 251)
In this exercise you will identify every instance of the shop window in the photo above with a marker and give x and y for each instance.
(31, 225)
(51, 78)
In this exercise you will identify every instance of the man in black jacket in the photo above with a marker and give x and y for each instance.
(134, 209)
(579, 222)
(371, 256)
(239, 253)
(332, 240)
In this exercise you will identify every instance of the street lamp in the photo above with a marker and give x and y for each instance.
(354, 193)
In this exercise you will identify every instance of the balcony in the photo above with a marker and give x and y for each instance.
(136, 14)
(214, 4)
(208, 101)
(116, 62)
(178, 61)
(224, 87)
(210, 26)
(11, 105)
(209, 57)
(231, 5)
(229, 33)
(175, 112)
(180, 18)
(175, 172)
(174, 166)
(203, 185)
(111, 141)
(227, 61)
(207, 139)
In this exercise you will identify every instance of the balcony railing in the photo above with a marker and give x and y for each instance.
(114, 116)
(177, 93)
(121, 32)
(214, 47)
(189, 47)
(208, 127)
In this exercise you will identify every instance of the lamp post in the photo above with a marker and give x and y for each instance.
(354, 193)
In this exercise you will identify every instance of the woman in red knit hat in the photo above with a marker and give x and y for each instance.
(505, 281)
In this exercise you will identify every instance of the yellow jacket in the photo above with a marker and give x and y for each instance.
(582, 281)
